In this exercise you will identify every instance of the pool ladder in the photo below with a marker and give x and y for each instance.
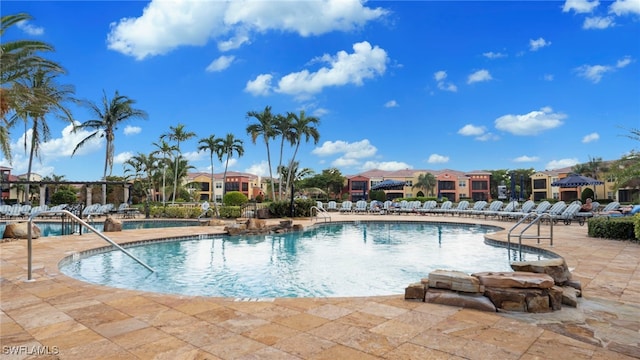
(320, 212)
(83, 223)
(537, 220)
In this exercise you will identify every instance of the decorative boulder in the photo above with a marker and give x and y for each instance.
(522, 300)
(255, 224)
(414, 291)
(453, 280)
(570, 296)
(516, 279)
(112, 225)
(20, 230)
(465, 300)
(556, 268)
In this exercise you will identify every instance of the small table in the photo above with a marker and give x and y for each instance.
(130, 213)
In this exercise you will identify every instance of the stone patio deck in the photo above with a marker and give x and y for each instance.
(75, 320)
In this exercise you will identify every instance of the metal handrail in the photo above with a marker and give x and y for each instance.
(536, 220)
(325, 213)
(82, 222)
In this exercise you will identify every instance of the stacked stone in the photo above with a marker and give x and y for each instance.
(538, 286)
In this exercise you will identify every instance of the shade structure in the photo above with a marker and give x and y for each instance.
(389, 184)
(575, 180)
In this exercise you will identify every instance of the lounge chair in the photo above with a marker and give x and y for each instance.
(583, 216)
(15, 211)
(462, 206)
(493, 210)
(347, 206)
(568, 214)
(510, 208)
(411, 207)
(612, 206)
(4, 210)
(427, 207)
(477, 206)
(361, 207)
(332, 206)
(526, 209)
(444, 207)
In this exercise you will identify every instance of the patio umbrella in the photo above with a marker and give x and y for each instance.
(389, 184)
(575, 180)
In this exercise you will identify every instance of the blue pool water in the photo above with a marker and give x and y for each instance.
(354, 259)
(55, 228)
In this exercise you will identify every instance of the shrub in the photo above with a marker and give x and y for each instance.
(377, 195)
(63, 197)
(176, 212)
(301, 208)
(636, 221)
(621, 228)
(259, 198)
(230, 212)
(586, 194)
(234, 198)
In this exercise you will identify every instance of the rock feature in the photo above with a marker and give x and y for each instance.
(258, 227)
(556, 268)
(19, 230)
(415, 291)
(518, 279)
(465, 300)
(453, 280)
(570, 296)
(112, 225)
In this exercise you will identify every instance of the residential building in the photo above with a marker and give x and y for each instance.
(248, 184)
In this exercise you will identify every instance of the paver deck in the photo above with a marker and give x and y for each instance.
(71, 319)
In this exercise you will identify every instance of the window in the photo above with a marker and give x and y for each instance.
(232, 186)
(446, 185)
(358, 185)
(218, 185)
(479, 185)
(408, 183)
(245, 186)
(556, 195)
(540, 184)
(462, 184)
(204, 186)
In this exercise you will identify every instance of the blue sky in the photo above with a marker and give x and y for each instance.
(396, 85)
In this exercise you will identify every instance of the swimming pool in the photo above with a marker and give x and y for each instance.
(55, 228)
(334, 260)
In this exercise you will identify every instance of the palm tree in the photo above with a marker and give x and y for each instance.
(177, 134)
(265, 128)
(211, 144)
(165, 149)
(228, 146)
(302, 126)
(284, 127)
(143, 164)
(182, 171)
(18, 59)
(426, 181)
(108, 117)
(44, 97)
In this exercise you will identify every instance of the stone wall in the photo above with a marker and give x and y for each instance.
(533, 286)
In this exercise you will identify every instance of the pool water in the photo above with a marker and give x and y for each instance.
(354, 259)
(55, 228)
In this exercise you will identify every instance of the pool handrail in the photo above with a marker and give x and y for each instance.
(537, 219)
(82, 222)
(325, 213)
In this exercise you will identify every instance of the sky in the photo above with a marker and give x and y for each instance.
(396, 85)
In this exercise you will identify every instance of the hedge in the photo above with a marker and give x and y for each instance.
(301, 208)
(619, 228)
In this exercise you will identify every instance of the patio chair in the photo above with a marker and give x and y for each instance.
(568, 214)
(361, 207)
(427, 207)
(444, 207)
(477, 206)
(583, 216)
(526, 209)
(462, 206)
(494, 208)
(347, 206)
(4, 209)
(332, 206)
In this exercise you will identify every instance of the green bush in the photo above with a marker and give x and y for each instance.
(301, 208)
(235, 198)
(377, 195)
(586, 194)
(176, 212)
(63, 197)
(230, 212)
(619, 228)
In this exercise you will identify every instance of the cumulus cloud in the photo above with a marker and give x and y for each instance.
(590, 137)
(580, 6)
(166, 25)
(122, 157)
(598, 22)
(624, 62)
(625, 7)
(220, 63)
(531, 123)
(391, 104)
(193, 156)
(366, 62)
(355, 150)
(494, 55)
(562, 163)
(30, 29)
(440, 77)
(132, 130)
(472, 130)
(525, 158)
(437, 159)
(535, 45)
(260, 169)
(260, 86)
(479, 76)
(385, 165)
(593, 73)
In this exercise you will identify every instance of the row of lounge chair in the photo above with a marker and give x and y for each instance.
(497, 209)
(18, 211)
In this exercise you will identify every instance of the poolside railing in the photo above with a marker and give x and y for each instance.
(538, 218)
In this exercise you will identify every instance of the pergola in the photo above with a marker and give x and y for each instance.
(89, 185)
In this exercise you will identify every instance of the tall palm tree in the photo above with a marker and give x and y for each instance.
(165, 149)
(302, 126)
(211, 144)
(182, 172)
(178, 134)
(228, 146)
(143, 164)
(109, 116)
(283, 125)
(18, 59)
(426, 181)
(45, 96)
(265, 128)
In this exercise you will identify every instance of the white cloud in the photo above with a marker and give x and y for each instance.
(487, 136)
(494, 55)
(472, 130)
(132, 130)
(590, 137)
(531, 123)
(260, 169)
(624, 7)
(122, 157)
(624, 62)
(580, 6)
(598, 22)
(525, 158)
(193, 156)
(437, 159)
(344, 162)
(64, 145)
(166, 25)
(220, 63)
(440, 77)
(593, 73)
(479, 76)
(366, 62)
(562, 163)
(355, 150)
(320, 112)
(260, 86)
(535, 45)
(548, 77)
(391, 104)
(385, 165)
(30, 29)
